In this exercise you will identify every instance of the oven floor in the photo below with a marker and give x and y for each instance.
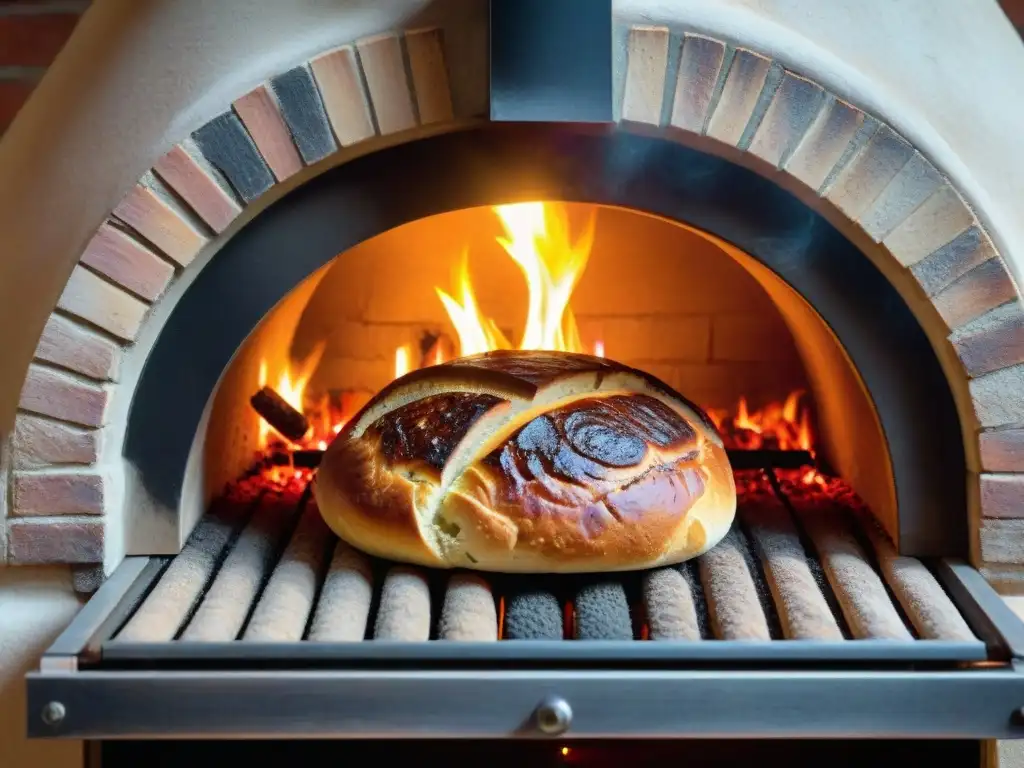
(539, 754)
(804, 560)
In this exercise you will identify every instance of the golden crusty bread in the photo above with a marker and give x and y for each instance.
(528, 462)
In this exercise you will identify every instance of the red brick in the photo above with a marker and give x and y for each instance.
(983, 288)
(197, 188)
(58, 493)
(13, 93)
(42, 541)
(34, 40)
(41, 442)
(1002, 496)
(996, 344)
(52, 393)
(144, 211)
(1002, 450)
(75, 347)
(127, 262)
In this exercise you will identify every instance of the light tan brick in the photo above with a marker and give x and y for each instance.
(983, 288)
(345, 99)
(93, 299)
(751, 338)
(997, 397)
(939, 220)
(384, 69)
(1002, 541)
(262, 119)
(1002, 450)
(1002, 495)
(644, 90)
(425, 49)
(676, 339)
(993, 341)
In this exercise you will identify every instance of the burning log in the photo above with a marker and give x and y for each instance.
(276, 411)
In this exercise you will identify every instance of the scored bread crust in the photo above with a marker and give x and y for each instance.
(523, 461)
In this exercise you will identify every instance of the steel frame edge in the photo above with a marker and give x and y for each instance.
(977, 704)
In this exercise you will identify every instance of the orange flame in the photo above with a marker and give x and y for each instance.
(536, 236)
(537, 239)
(291, 386)
(403, 357)
(784, 426)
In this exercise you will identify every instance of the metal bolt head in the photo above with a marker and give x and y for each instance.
(554, 716)
(53, 713)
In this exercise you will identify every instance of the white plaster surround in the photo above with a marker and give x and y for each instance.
(139, 75)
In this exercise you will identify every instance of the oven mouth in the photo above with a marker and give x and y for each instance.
(887, 348)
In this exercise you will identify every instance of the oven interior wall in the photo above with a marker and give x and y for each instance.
(702, 316)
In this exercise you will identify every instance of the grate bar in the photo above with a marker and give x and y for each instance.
(860, 590)
(469, 613)
(228, 602)
(404, 612)
(288, 599)
(670, 596)
(803, 610)
(343, 611)
(167, 607)
(757, 585)
(733, 603)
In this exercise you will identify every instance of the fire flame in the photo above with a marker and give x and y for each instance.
(781, 426)
(537, 239)
(291, 386)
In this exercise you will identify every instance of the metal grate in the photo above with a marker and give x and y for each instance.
(804, 561)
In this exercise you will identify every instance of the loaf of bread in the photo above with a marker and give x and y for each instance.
(539, 462)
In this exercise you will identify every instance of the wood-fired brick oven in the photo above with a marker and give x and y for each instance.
(808, 621)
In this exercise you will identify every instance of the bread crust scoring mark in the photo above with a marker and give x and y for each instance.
(584, 464)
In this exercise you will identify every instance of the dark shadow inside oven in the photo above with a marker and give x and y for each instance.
(836, 753)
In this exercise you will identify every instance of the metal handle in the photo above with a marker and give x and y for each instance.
(554, 716)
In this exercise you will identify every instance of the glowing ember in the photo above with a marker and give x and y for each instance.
(781, 426)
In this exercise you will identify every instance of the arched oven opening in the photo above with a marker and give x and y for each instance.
(843, 435)
(847, 346)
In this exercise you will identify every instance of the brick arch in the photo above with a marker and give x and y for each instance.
(679, 84)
